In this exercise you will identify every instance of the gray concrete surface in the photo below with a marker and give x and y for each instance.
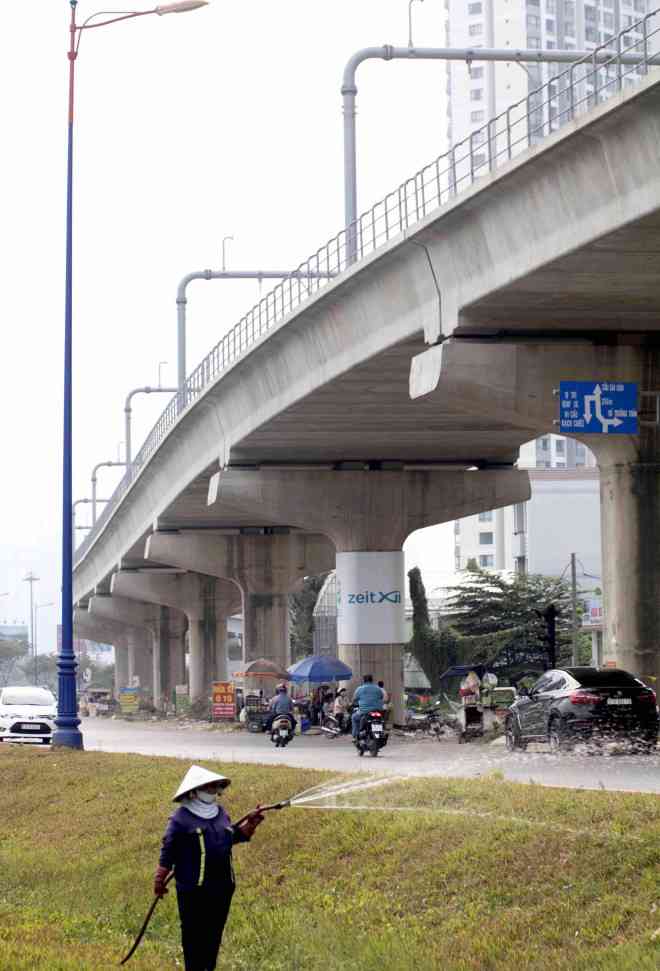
(402, 756)
(561, 243)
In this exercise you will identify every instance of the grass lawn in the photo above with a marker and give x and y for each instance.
(468, 876)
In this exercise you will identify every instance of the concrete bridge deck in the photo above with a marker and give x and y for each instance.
(562, 242)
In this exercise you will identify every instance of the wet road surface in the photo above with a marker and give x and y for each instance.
(402, 756)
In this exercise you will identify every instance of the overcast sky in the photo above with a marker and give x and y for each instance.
(224, 121)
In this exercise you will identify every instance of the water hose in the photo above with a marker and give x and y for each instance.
(243, 819)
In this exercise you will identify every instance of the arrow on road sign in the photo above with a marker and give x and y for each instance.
(595, 398)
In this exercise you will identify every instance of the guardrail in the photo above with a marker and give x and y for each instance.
(624, 59)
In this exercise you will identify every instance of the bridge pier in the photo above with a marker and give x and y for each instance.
(202, 599)
(516, 381)
(140, 659)
(140, 624)
(121, 664)
(368, 515)
(265, 568)
(630, 532)
(105, 632)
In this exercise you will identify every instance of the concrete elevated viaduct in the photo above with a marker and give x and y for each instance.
(397, 397)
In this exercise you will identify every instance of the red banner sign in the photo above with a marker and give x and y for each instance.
(224, 701)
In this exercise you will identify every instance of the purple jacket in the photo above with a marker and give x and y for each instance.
(199, 850)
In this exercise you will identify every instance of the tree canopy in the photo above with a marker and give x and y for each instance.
(512, 623)
(11, 652)
(301, 619)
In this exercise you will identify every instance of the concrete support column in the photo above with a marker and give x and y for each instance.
(121, 667)
(371, 603)
(132, 649)
(265, 568)
(139, 623)
(368, 515)
(201, 598)
(630, 530)
(176, 641)
(221, 667)
(521, 379)
(105, 632)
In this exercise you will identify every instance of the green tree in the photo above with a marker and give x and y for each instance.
(301, 619)
(11, 652)
(508, 622)
(434, 650)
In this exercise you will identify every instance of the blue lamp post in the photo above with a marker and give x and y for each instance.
(67, 721)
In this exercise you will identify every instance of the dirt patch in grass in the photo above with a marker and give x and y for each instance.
(465, 876)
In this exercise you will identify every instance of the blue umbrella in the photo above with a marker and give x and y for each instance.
(319, 668)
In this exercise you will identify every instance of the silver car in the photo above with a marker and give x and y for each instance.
(27, 714)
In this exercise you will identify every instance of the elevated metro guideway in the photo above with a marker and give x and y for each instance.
(544, 269)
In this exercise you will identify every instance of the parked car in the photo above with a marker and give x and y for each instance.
(575, 703)
(27, 714)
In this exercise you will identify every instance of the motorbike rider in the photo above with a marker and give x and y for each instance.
(368, 697)
(280, 704)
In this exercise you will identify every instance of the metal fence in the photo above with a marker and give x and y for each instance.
(624, 59)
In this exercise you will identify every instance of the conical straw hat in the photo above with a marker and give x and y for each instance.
(197, 776)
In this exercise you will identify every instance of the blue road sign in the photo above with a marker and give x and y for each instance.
(598, 407)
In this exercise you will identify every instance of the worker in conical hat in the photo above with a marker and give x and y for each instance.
(197, 845)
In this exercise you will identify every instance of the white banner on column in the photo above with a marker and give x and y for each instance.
(371, 598)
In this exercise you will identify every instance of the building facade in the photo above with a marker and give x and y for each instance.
(479, 92)
(562, 516)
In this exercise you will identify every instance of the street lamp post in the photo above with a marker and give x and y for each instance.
(31, 579)
(67, 721)
(127, 417)
(182, 300)
(100, 465)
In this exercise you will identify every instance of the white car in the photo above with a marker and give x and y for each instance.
(27, 714)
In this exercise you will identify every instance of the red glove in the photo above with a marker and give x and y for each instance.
(160, 877)
(248, 826)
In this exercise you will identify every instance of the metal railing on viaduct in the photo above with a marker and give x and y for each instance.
(621, 61)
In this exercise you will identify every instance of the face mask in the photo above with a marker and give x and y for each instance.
(207, 797)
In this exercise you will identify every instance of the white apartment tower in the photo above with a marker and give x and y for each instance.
(482, 91)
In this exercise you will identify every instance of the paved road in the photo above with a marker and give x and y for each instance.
(403, 756)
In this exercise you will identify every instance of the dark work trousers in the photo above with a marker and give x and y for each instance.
(203, 913)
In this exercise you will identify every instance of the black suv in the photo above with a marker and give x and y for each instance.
(580, 703)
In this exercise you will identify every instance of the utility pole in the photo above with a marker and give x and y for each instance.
(574, 624)
(32, 579)
(550, 617)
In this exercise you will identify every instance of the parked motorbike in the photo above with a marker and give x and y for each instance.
(431, 721)
(333, 727)
(372, 736)
(281, 731)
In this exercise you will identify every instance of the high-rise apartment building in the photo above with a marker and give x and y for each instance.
(480, 92)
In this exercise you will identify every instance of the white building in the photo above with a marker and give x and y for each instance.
(562, 516)
(480, 92)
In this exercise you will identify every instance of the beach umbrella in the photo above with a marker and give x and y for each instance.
(319, 668)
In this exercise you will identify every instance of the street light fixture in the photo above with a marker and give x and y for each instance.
(101, 465)
(225, 240)
(67, 721)
(410, 37)
(31, 579)
(127, 418)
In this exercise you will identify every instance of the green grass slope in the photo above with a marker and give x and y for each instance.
(468, 876)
